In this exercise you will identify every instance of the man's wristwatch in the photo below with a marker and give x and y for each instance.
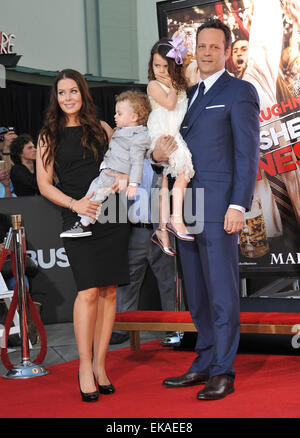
(151, 156)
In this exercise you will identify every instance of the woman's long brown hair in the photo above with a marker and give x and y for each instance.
(55, 120)
(162, 47)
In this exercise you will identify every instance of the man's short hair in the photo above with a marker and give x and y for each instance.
(215, 23)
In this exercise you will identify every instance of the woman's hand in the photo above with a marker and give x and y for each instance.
(86, 207)
(121, 182)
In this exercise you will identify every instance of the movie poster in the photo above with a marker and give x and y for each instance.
(265, 52)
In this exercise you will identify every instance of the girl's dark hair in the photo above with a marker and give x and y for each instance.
(56, 119)
(162, 47)
(17, 146)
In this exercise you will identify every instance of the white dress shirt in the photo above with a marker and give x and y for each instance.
(208, 82)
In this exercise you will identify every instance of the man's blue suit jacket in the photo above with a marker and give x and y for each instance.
(222, 133)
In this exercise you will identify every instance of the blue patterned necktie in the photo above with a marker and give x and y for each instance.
(199, 96)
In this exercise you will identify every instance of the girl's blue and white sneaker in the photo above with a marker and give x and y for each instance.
(78, 230)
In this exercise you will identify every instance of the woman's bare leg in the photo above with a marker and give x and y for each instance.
(84, 316)
(103, 329)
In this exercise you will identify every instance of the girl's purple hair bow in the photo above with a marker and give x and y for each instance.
(178, 50)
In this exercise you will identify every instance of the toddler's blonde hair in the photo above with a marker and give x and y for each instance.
(139, 102)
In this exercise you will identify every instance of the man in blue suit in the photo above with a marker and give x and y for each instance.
(221, 128)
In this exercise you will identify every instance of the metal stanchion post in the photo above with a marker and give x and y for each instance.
(16, 242)
(179, 296)
(178, 285)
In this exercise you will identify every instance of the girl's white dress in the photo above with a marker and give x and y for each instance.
(162, 121)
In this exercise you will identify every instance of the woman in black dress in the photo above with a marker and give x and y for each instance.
(22, 174)
(71, 145)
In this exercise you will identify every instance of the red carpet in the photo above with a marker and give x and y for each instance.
(266, 387)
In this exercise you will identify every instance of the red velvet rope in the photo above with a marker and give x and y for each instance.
(10, 314)
(3, 256)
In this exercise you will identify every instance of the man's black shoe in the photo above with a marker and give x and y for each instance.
(187, 379)
(216, 388)
(118, 338)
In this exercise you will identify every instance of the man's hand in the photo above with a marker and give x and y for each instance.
(131, 192)
(121, 182)
(234, 221)
(164, 147)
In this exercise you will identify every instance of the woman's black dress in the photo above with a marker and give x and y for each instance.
(101, 259)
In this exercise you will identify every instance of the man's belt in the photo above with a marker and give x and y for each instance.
(143, 225)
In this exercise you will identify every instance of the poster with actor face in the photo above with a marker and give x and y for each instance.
(266, 52)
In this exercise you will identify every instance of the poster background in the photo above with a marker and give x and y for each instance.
(266, 52)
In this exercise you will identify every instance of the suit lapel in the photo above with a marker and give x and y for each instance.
(192, 115)
(190, 93)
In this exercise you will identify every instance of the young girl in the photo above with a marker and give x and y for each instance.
(166, 91)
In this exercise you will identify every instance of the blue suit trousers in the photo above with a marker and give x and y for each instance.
(211, 279)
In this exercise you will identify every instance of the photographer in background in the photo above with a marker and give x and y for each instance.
(7, 135)
(23, 174)
(6, 187)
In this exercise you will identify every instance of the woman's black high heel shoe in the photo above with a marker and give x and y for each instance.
(88, 396)
(106, 389)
